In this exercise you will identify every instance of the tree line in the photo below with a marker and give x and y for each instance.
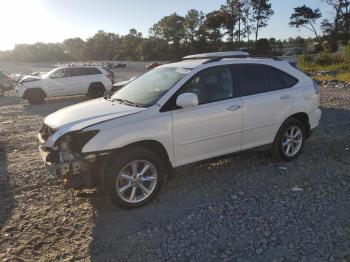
(236, 24)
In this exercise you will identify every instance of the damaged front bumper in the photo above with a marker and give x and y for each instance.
(63, 157)
(74, 171)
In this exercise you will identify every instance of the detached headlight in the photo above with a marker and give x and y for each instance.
(75, 141)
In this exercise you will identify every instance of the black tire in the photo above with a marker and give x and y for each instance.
(1, 91)
(35, 97)
(118, 163)
(96, 90)
(277, 148)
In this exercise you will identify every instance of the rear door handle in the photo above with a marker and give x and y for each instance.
(234, 108)
(284, 97)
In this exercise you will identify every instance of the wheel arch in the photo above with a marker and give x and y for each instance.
(304, 119)
(152, 145)
(33, 89)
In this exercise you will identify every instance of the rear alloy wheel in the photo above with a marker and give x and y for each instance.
(292, 141)
(289, 140)
(134, 177)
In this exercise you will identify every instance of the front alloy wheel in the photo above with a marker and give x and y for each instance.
(136, 181)
(134, 176)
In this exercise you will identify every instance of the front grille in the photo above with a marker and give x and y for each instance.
(46, 132)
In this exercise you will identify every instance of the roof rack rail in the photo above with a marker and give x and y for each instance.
(219, 58)
(214, 54)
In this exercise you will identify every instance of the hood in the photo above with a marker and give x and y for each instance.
(88, 113)
(29, 78)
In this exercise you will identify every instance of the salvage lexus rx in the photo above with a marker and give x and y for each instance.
(205, 106)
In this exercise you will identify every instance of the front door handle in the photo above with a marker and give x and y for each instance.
(284, 97)
(234, 108)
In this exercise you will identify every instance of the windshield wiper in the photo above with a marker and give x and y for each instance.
(126, 102)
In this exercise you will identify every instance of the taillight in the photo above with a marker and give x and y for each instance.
(316, 87)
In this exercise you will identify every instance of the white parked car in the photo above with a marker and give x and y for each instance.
(178, 114)
(64, 81)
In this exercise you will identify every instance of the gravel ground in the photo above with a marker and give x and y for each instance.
(245, 208)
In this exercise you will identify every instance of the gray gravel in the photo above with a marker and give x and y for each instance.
(245, 208)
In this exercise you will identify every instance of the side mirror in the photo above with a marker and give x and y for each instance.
(187, 100)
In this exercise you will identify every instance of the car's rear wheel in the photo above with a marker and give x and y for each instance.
(96, 90)
(289, 140)
(134, 177)
(35, 97)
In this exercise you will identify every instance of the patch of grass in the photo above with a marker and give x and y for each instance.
(312, 67)
(342, 76)
(345, 76)
(339, 62)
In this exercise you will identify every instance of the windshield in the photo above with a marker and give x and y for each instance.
(147, 89)
(49, 73)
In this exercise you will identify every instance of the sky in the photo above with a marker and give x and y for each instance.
(30, 21)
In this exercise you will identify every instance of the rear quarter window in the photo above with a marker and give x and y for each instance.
(94, 71)
(288, 81)
(280, 79)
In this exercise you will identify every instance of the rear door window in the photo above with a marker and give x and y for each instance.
(252, 79)
(76, 71)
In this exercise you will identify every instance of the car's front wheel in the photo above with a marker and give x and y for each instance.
(35, 96)
(134, 177)
(289, 140)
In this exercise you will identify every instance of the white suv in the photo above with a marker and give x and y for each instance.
(177, 114)
(64, 81)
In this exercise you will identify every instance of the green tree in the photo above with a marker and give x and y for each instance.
(193, 20)
(213, 24)
(152, 49)
(306, 17)
(74, 47)
(339, 29)
(262, 11)
(246, 18)
(171, 29)
(97, 46)
(128, 46)
(231, 15)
